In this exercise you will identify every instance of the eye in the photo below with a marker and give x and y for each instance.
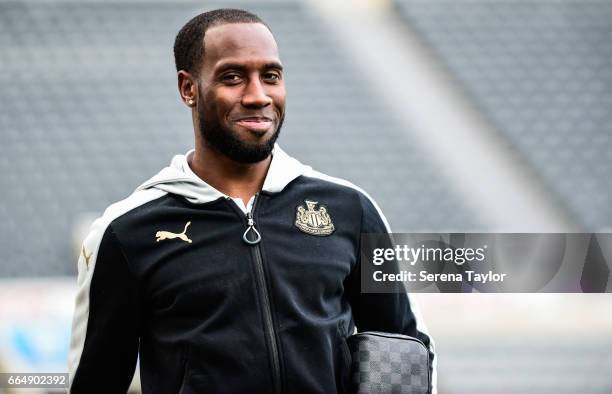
(272, 76)
(231, 78)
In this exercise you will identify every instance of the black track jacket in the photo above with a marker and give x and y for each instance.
(174, 273)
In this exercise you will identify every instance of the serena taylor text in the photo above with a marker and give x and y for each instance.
(424, 276)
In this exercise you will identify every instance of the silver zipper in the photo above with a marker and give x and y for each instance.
(251, 228)
(263, 291)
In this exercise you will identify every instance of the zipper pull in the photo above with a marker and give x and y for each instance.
(251, 227)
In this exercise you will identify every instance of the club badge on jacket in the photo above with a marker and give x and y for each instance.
(313, 221)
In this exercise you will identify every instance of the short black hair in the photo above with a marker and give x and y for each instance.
(189, 42)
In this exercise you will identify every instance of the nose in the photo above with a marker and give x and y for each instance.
(255, 94)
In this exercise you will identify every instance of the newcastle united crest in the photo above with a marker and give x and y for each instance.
(313, 221)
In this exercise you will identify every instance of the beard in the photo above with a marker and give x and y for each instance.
(228, 143)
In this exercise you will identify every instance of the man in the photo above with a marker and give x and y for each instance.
(236, 268)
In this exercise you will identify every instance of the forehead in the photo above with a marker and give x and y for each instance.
(239, 43)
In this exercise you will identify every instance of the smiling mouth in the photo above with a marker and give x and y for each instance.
(255, 123)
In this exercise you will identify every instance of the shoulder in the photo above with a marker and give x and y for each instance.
(372, 215)
(100, 226)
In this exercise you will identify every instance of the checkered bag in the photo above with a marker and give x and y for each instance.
(384, 363)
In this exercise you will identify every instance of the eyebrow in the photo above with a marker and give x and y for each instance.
(242, 67)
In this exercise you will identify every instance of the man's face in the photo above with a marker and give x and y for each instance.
(242, 91)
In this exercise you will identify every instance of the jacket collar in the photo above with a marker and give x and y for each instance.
(178, 178)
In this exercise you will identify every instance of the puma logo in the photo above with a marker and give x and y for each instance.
(85, 256)
(161, 235)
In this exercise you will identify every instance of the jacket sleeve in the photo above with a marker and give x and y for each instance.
(104, 341)
(388, 312)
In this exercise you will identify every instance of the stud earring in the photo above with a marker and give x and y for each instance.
(190, 102)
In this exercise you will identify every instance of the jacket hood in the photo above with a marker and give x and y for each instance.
(179, 179)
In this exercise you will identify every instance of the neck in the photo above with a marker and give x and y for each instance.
(229, 177)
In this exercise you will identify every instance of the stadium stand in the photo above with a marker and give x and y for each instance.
(540, 70)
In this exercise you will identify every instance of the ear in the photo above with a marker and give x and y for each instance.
(187, 86)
